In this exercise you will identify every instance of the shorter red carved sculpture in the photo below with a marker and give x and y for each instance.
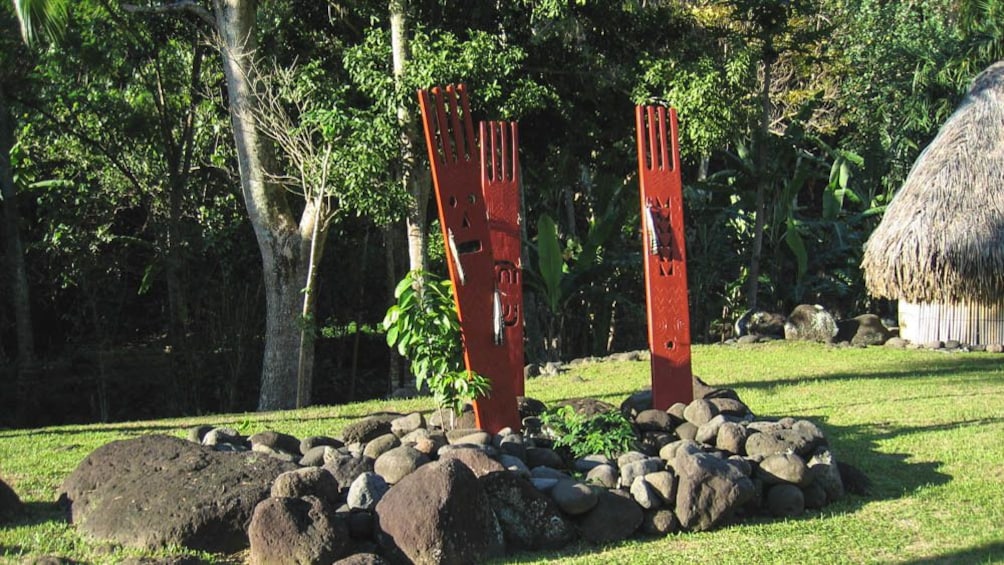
(665, 256)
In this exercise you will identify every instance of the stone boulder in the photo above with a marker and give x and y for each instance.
(476, 460)
(438, 514)
(366, 491)
(784, 468)
(760, 323)
(129, 492)
(277, 444)
(10, 503)
(369, 428)
(529, 519)
(614, 518)
(573, 497)
(345, 469)
(399, 462)
(710, 490)
(296, 530)
(810, 323)
(308, 481)
(785, 500)
(866, 329)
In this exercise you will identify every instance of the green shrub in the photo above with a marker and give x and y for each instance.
(425, 328)
(609, 433)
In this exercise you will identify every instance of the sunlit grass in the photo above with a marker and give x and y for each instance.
(926, 427)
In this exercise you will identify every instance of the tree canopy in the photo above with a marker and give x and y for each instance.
(178, 171)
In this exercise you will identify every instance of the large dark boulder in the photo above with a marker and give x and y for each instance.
(710, 490)
(810, 323)
(157, 490)
(866, 329)
(760, 323)
(296, 531)
(529, 518)
(438, 514)
(10, 503)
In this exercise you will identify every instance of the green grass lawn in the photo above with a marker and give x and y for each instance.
(926, 427)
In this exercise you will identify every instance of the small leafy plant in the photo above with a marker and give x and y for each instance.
(424, 327)
(608, 433)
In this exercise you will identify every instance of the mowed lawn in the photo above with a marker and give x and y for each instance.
(926, 427)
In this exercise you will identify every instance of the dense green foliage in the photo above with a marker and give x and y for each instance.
(607, 433)
(145, 279)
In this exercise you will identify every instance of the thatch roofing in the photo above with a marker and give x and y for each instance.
(942, 237)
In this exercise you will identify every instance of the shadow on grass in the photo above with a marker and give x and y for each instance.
(981, 368)
(36, 513)
(988, 553)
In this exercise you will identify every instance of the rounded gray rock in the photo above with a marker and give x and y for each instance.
(700, 412)
(660, 522)
(399, 462)
(404, 425)
(589, 462)
(380, 445)
(785, 500)
(731, 437)
(664, 484)
(643, 493)
(603, 475)
(640, 469)
(366, 491)
(653, 420)
(308, 481)
(784, 468)
(574, 497)
(542, 456)
(514, 465)
(708, 431)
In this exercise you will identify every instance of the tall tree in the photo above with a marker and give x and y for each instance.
(45, 17)
(284, 240)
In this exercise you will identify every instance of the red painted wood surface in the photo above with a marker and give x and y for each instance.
(665, 256)
(456, 173)
(500, 184)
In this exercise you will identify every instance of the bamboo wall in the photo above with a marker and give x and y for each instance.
(971, 322)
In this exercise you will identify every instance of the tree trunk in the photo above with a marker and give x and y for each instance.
(15, 249)
(417, 183)
(313, 213)
(762, 181)
(178, 154)
(284, 244)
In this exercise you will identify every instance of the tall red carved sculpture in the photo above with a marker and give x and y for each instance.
(455, 160)
(665, 256)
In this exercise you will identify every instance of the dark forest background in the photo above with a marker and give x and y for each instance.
(133, 284)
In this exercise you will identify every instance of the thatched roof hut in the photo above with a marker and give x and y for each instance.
(939, 249)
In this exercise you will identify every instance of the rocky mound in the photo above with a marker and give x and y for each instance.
(396, 488)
